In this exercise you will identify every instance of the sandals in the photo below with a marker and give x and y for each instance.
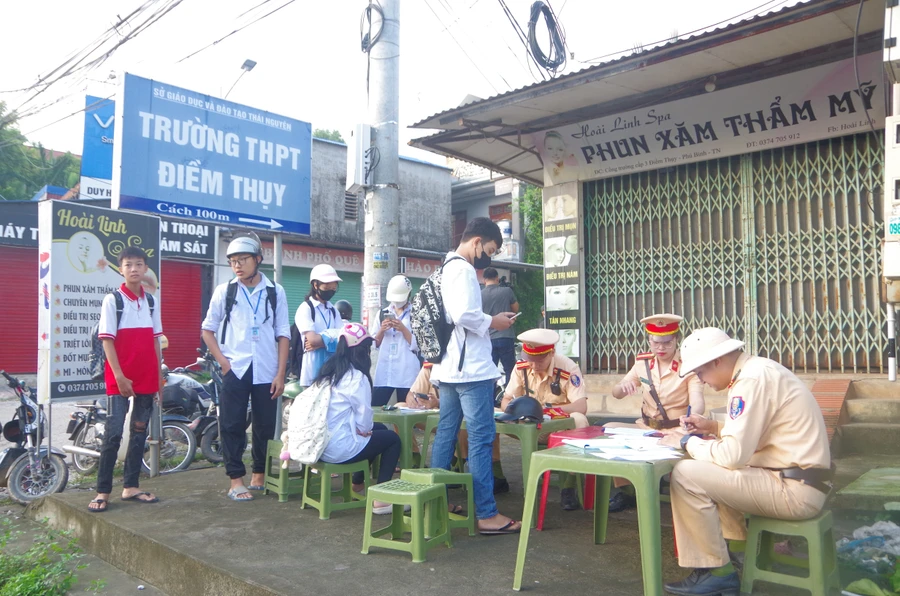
(456, 509)
(137, 498)
(507, 529)
(236, 494)
(104, 505)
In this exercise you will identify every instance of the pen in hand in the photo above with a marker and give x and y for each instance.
(684, 424)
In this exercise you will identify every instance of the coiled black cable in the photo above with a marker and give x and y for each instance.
(555, 58)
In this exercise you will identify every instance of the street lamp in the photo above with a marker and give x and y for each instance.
(246, 67)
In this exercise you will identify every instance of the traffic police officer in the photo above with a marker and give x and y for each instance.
(769, 458)
(555, 381)
(666, 394)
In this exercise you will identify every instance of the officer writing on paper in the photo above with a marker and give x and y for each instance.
(555, 381)
(769, 458)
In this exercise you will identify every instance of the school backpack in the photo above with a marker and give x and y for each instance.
(429, 319)
(97, 363)
(231, 298)
(307, 428)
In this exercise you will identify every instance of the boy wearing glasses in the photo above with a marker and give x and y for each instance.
(252, 350)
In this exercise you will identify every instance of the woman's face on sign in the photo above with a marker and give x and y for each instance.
(555, 149)
(555, 256)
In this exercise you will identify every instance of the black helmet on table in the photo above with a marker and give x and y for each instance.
(523, 408)
(345, 309)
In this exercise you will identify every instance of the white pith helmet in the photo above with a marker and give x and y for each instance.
(398, 289)
(245, 243)
(705, 345)
(323, 274)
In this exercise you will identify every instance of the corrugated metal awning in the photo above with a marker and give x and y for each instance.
(493, 132)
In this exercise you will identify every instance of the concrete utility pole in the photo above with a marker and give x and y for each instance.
(382, 214)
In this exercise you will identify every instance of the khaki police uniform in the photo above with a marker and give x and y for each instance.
(675, 393)
(571, 385)
(422, 384)
(773, 423)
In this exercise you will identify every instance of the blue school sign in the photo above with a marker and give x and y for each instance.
(189, 155)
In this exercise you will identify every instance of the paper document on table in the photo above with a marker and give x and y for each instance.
(633, 432)
(405, 407)
(625, 455)
(588, 443)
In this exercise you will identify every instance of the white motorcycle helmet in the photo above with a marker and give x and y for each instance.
(244, 243)
(398, 289)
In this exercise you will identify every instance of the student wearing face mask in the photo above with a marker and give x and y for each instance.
(398, 364)
(315, 315)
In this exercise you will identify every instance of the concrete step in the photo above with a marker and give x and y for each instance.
(879, 388)
(868, 438)
(874, 410)
(865, 483)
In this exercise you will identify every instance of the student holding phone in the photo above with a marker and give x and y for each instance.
(398, 363)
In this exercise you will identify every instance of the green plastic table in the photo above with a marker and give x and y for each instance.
(404, 421)
(527, 434)
(645, 476)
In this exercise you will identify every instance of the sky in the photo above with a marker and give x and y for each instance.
(309, 63)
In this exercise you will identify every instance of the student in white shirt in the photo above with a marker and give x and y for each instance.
(353, 434)
(467, 372)
(315, 315)
(398, 364)
(253, 356)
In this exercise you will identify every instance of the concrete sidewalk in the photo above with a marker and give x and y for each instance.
(198, 542)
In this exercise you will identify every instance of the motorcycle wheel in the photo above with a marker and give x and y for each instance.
(27, 484)
(177, 448)
(87, 438)
(210, 446)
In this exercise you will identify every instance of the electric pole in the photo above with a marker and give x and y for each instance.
(382, 215)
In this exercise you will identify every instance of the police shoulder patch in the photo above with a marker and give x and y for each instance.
(522, 365)
(736, 407)
(575, 380)
(644, 356)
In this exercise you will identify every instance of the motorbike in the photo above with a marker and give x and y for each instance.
(187, 389)
(29, 470)
(86, 431)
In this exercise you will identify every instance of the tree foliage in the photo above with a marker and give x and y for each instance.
(26, 169)
(529, 286)
(329, 135)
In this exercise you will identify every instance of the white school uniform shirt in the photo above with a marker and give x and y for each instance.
(397, 362)
(239, 347)
(349, 411)
(327, 317)
(462, 303)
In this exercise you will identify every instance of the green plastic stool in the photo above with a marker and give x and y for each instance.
(424, 500)
(445, 477)
(822, 563)
(282, 482)
(321, 499)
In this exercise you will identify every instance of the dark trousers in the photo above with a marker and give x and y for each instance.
(503, 350)
(382, 395)
(117, 409)
(233, 422)
(385, 443)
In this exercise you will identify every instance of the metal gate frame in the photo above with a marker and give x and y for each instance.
(781, 248)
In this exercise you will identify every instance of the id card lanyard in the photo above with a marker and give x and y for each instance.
(254, 331)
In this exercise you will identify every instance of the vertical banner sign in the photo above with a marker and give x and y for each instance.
(97, 154)
(563, 285)
(78, 260)
(184, 154)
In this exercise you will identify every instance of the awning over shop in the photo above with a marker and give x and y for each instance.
(495, 132)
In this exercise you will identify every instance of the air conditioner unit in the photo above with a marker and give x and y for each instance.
(359, 158)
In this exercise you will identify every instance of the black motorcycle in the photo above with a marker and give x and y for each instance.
(177, 448)
(29, 470)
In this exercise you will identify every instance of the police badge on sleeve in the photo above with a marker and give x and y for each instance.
(736, 407)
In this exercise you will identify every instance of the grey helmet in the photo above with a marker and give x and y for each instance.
(523, 408)
(244, 243)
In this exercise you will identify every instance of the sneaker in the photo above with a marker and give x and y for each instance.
(620, 502)
(500, 485)
(703, 583)
(569, 500)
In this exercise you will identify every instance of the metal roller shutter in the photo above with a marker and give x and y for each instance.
(18, 350)
(181, 311)
(296, 286)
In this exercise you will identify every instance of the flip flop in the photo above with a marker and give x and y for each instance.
(104, 507)
(234, 493)
(457, 509)
(503, 530)
(256, 487)
(137, 497)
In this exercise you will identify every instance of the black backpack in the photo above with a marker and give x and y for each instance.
(429, 319)
(97, 364)
(231, 298)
